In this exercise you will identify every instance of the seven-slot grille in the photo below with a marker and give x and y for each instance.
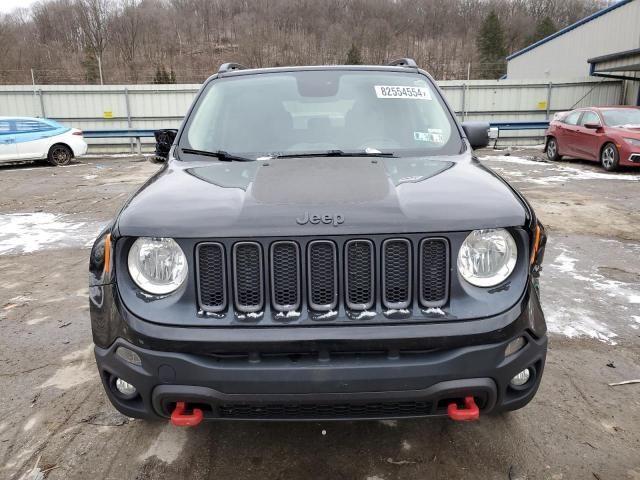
(322, 273)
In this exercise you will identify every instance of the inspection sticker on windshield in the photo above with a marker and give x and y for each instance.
(395, 91)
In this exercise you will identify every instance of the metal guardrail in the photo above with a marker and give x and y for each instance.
(144, 133)
(520, 125)
(138, 133)
(123, 133)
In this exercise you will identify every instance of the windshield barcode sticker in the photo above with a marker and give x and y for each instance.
(394, 91)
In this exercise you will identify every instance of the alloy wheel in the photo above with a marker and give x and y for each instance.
(608, 157)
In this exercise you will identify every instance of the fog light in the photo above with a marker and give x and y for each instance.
(126, 389)
(521, 378)
(129, 356)
(514, 346)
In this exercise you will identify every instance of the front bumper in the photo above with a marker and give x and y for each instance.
(288, 389)
(378, 372)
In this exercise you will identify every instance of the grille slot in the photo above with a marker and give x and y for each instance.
(327, 410)
(285, 276)
(359, 276)
(248, 276)
(434, 272)
(396, 273)
(322, 275)
(212, 292)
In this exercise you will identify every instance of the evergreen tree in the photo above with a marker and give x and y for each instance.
(162, 76)
(353, 56)
(544, 28)
(491, 44)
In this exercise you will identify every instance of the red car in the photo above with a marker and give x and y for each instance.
(609, 135)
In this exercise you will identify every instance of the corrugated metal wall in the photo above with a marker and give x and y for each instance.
(163, 106)
(565, 57)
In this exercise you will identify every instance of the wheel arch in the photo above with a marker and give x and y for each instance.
(604, 144)
(547, 137)
(64, 144)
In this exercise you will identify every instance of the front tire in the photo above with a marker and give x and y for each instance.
(552, 150)
(609, 157)
(60, 155)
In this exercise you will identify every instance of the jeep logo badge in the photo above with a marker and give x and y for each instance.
(335, 219)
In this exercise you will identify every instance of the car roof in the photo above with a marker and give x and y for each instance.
(608, 107)
(38, 119)
(317, 68)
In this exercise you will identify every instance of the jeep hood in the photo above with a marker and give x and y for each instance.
(272, 198)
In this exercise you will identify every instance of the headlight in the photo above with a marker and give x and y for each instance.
(487, 257)
(633, 141)
(157, 265)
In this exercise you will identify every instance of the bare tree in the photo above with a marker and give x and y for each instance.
(136, 38)
(93, 17)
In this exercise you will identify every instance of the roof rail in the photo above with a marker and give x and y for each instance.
(403, 62)
(228, 67)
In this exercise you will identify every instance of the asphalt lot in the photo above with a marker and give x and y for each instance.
(55, 415)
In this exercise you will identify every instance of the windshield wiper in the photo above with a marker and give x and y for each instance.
(334, 153)
(219, 154)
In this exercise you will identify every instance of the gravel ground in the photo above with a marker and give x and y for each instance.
(57, 419)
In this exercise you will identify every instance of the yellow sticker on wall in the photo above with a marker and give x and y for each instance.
(541, 105)
(107, 114)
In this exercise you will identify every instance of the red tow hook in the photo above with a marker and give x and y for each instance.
(470, 412)
(180, 419)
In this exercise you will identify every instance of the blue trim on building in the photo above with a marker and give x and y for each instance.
(573, 26)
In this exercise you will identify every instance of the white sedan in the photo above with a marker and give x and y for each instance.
(26, 138)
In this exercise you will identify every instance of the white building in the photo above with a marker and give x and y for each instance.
(604, 44)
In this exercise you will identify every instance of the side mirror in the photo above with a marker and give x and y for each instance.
(164, 140)
(477, 133)
(592, 126)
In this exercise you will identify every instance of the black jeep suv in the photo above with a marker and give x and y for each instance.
(321, 244)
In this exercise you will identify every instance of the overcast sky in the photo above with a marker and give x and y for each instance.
(7, 6)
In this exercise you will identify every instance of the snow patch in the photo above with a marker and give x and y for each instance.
(70, 376)
(576, 323)
(78, 372)
(31, 422)
(167, 446)
(508, 159)
(31, 232)
(568, 315)
(561, 173)
(289, 314)
(326, 315)
(363, 315)
(564, 263)
(389, 423)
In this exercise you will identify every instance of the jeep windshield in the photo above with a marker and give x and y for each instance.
(323, 112)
